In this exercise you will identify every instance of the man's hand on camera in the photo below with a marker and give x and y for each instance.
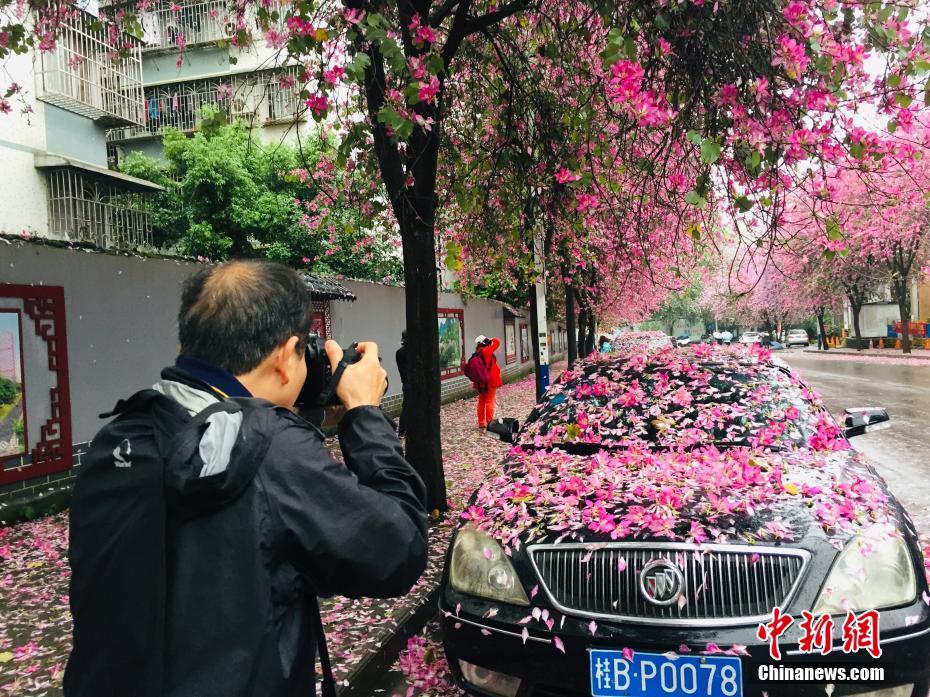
(363, 383)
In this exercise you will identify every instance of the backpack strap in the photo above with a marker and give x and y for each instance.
(166, 413)
(328, 686)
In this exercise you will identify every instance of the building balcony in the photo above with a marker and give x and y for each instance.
(172, 26)
(91, 204)
(82, 75)
(258, 99)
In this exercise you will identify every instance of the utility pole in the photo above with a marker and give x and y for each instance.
(538, 322)
(538, 310)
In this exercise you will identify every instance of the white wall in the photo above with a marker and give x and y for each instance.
(23, 188)
(873, 319)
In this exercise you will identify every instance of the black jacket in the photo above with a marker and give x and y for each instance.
(258, 520)
(401, 358)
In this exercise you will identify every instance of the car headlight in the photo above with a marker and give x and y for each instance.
(873, 571)
(480, 567)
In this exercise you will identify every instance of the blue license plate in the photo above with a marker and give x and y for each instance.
(656, 675)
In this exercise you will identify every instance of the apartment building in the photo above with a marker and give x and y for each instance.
(56, 182)
(189, 61)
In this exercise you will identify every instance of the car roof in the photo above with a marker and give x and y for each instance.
(674, 398)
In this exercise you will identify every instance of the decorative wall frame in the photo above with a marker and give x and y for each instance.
(451, 343)
(525, 349)
(322, 319)
(46, 393)
(510, 341)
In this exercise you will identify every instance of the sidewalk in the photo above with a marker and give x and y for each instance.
(365, 636)
(918, 354)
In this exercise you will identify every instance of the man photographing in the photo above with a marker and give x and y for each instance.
(207, 517)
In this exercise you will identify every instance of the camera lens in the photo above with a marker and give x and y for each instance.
(317, 372)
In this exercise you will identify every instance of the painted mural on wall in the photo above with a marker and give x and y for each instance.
(12, 391)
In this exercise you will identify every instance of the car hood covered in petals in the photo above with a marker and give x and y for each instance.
(737, 494)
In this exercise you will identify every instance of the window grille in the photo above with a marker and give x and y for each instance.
(169, 25)
(86, 208)
(255, 98)
(81, 74)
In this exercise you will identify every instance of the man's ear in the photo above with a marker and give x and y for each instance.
(283, 355)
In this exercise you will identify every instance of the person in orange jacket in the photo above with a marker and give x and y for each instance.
(487, 391)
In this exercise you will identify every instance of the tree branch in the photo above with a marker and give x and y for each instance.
(392, 170)
(456, 34)
(484, 21)
(441, 12)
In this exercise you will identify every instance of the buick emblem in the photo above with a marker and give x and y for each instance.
(661, 582)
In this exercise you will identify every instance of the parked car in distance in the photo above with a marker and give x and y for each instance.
(657, 507)
(797, 337)
(751, 337)
(724, 337)
(682, 340)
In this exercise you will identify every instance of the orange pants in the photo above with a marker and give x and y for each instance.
(486, 406)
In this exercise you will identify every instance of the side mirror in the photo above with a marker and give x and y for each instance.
(865, 420)
(506, 429)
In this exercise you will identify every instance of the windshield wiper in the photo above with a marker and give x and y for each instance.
(594, 448)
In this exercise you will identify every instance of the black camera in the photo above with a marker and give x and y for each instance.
(319, 389)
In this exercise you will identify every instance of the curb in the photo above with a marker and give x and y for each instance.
(370, 671)
(884, 353)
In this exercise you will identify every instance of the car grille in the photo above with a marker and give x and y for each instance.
(723, 584)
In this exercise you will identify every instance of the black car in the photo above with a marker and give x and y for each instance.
(656, 510)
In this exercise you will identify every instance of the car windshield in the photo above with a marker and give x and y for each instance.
(680, 399)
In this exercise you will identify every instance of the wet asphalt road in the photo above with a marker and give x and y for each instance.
(901, 454)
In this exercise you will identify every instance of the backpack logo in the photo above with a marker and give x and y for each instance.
(121, 454)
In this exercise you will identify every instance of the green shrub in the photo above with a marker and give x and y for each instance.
(9, 391)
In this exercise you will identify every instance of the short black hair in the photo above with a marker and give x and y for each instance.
(235, 314)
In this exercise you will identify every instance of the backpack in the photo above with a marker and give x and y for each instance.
(120, 487)
(476, 369)
(120, 607)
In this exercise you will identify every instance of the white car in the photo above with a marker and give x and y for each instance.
(797, 337)
(723, 337)
(683, 340)
(751, 338)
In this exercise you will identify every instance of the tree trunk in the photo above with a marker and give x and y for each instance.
(421, 279)
(591, 339)
(902, 293)
(856, 310)
(424, 447)
(822, 331)
(582, 331)
(570, 327)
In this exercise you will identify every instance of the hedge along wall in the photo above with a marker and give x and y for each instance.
(121, 330)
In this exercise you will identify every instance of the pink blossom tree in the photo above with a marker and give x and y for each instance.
(744, 91)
